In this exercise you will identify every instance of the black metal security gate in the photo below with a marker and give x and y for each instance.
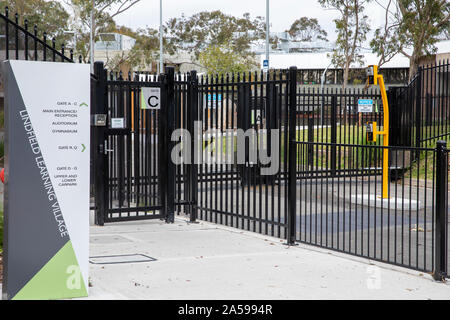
(127, 152)
(134, 177)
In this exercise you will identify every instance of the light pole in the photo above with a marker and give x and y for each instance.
(91, 40)
(322, 80)
(161, 63)
(267, 32)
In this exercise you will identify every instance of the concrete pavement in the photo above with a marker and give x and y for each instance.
(207, 261)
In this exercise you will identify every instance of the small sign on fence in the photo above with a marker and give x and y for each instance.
(212, 100)
(150, 98)
(256, 117)
(266, 65)
(365, 105)
(117, 123)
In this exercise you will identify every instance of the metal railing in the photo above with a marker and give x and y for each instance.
(348, 214)
(20, 43)
(325, 193)
(422, 109)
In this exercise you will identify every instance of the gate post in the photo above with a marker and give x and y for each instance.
(170, 114)
(441, 192)
(162, 146)
(98, 138)
(193, 170)
(292, 174)
(310, 139)
(333, 134)
(394, 118)
(418, 103)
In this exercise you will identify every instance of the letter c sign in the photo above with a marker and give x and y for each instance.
(153, 102)
(150, 98)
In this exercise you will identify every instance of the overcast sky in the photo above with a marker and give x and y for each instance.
(282, 12)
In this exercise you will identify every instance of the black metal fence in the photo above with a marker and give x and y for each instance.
(421, 110)
(326, 189)
(232, 193)
(348, 213)
(25, 43)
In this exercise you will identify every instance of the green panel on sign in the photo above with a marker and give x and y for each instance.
(60, 278)
(143, 102)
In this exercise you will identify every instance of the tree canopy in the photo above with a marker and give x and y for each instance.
(223, 59)
(412, 24)
(215, 28)
(47, 16)
(351, 29)
(307, 30)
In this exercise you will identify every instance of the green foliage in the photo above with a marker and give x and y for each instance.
(143, 53)
(47, 16)
(104, 12)
(222, 60)
(207, 29)
(146, 48)
(351, 28)
(81, 24)
(412, 24)
(307, 30)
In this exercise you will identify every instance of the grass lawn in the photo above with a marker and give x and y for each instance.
(344, 134)
(347, 157)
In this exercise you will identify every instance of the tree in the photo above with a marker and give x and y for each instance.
(104, 12)
(143, 53)
(223, 59)
(47, 16)
(413, 24)
(351, 28)
(205, 29)
(387, 41)
(307, 30)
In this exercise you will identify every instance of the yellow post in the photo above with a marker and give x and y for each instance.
(377, 79)
(385, 133)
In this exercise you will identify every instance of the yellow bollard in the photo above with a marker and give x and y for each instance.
(377, 79)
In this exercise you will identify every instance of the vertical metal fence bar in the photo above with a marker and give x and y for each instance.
(292, 174)
(441, 194)
(35, 43)
(99, 146)
(194, 146)
(16, 19)
(7, 32)
(162, 145)
(170, 201)
(26, 39)
(44, 46)
(53, 49)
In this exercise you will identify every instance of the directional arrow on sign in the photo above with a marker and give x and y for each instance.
(83, 104)
(84, 147)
